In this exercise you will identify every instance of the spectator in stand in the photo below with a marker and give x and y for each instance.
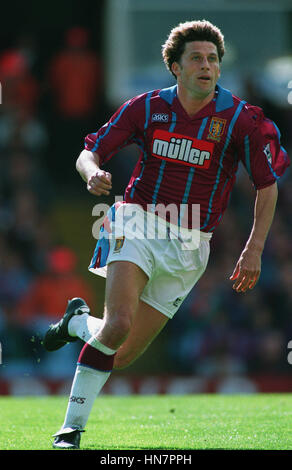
(20, 88)
(75, 77)
(15, 279)
(50, 292)
(75, 84)
(23, 171)
(26, 218)
(20, 128)
(43, 302)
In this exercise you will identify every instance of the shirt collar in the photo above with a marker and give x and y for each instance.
(223, 98)
(168, 94)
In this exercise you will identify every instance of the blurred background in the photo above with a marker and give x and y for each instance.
(65, 67)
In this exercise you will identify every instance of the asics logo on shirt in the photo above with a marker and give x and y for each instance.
(160, 117)
(182, 149)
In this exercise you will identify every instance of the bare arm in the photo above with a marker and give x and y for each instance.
(98, 181)
(248, 268)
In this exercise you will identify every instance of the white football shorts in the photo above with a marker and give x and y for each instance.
(173, 261)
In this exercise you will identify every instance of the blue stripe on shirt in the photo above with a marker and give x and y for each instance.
(109, 127)
(191, 172)
(147, 110)
(269, 163)
(227, 141)
(192, 169)
(247, 155)
(162, 165)
(141, 144)
(279, 137)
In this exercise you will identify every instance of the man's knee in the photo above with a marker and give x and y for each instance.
(121, 321)
(118, 325)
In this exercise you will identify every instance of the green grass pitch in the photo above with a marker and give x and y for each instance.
(262, 421)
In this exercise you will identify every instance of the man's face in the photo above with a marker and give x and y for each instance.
(198, 69)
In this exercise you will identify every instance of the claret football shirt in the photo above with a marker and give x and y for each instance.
(192, 160)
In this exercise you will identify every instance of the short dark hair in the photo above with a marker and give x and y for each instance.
(201, 30)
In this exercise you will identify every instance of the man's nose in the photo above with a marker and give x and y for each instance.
(205, 63)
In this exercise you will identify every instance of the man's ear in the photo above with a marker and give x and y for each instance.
(175, 68)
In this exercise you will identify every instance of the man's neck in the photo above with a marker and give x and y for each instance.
(193, 104)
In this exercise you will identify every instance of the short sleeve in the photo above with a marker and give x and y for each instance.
(118, 132)
(260, 149)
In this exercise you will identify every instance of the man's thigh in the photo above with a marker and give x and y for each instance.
(124, 285)
(148, 322)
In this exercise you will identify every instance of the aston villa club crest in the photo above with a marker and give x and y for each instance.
(118, 245)
(216, 128)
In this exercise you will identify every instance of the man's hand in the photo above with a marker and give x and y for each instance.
(100, 183)
(247, 270)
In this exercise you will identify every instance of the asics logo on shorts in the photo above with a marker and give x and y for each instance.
(177, 301)
(182, 149)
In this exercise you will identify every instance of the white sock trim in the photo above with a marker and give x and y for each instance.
(101, 347)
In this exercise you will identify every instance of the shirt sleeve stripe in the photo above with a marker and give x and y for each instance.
(247, 155)
(141, 144)
(109, 127)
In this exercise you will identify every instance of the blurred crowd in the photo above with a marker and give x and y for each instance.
(216, 331)
(41, 130)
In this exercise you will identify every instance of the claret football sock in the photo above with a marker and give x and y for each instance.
(84, 326)
(94, 367)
